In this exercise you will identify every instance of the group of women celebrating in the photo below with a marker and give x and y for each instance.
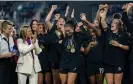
(64, 46)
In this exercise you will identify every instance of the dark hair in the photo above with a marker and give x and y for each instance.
(56, 12)
(70, 23)
(44, 26)
(31, 23)
(94, 31)
(117, 16)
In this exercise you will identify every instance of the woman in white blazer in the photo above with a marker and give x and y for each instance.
(28, 64)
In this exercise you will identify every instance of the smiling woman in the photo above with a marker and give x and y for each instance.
(28, 64)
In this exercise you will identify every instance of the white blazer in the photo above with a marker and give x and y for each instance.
(25, 59)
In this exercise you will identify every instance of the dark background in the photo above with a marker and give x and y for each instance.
(22, 12)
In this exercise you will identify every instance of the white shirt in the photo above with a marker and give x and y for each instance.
(4, 45)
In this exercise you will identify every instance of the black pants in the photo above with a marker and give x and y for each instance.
(14, 76)
(7, 72)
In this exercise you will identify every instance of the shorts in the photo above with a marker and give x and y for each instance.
(94, 68)
(46, 70)
(67, 70)
(113, 69)
(54, 65)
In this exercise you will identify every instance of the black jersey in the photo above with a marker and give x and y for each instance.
(115, 55)
(72, 59)
(96, 53)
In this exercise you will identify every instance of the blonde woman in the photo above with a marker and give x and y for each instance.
(28, 64)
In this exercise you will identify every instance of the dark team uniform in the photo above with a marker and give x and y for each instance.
(95, 57)
(128, 74)
(114, 57)
(43, 56)
(51, 40)
(70, 61)
(55, 49)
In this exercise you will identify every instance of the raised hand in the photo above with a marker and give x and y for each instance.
(102, 13)
(83, 16)
(72, 15)
(67, 11)
(129, 6)
(101, 6)
(124, 7)
(54, 7)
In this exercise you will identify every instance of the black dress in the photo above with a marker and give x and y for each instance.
(43, 56)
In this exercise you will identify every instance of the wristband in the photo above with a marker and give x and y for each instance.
(120, 45)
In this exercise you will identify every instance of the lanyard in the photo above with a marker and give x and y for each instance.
(8, 44)
(29, 42)
(8, 47)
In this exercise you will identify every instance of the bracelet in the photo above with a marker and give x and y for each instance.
(120, 45)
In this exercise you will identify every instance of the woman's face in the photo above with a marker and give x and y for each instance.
(57, 16)
(13, 33)
(28, 32)
(115, 25)
(96, 23)
(92, 33)
(40, 30)
(61, 23)
(68, 31)
(35, 26)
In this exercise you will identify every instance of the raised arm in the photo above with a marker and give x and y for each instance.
(97, 15)
(81, 32)
(67, 11)
(103, 14)
(125, 19)
(83, 17)
(47, 20)
(72, 15)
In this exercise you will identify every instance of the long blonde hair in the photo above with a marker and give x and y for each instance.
(23, 31)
